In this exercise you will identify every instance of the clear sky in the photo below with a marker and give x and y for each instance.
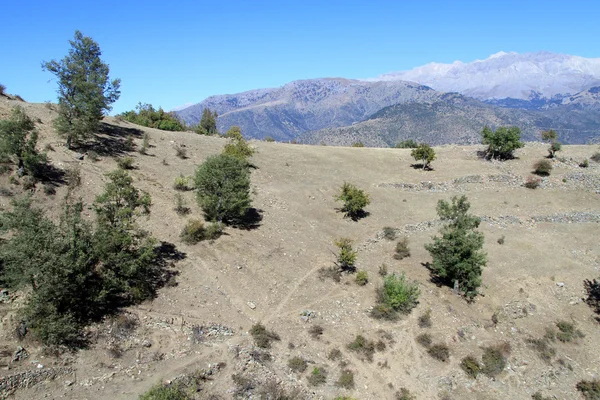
(172, 53)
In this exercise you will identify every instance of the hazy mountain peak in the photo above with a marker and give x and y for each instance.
(508, 75)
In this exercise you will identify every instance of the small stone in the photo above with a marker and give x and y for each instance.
(560, 284)
(146, 343)
(79, 156)
(68, 383)
(40, 366)
(251, 305)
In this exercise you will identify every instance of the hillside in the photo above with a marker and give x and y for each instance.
(198, 329)
(459, 119)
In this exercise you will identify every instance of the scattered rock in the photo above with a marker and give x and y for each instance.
(251, 305)
(79, 156)
(146, 343)
(560, 284)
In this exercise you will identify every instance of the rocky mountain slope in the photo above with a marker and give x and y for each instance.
(300, 106)
(527, 76)
(459, 119)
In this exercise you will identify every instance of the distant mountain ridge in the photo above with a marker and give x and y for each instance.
(563, 90)
(508, 75)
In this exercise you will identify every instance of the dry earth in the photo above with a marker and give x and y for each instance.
(270, 274)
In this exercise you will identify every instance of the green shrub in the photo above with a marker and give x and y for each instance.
(269, 139)
(554, 147)
(383, 270)
(404, 394)
(457, 255)
(125, 162)
(584, 164)
(164, 392)
(73, 176)
(195, 231)
(362, 278)
(28, 182)
(423, 153)
(355, 200)
(358, 144)
(223, 188)
(263, 337)
(182, 183)
(180, 205)
(208, 123)
(494, 360)
(317, 377)
(389, 233)
(297, 364)
(503, 142)
(347, 256)
(237, 147)
(346, 379)
(145, 143)
(543, 348)
(396, 295)
(542, 167)
(439, 351)
(589, 389)
(407, 144)
(471, 366)
(538, 396)
(362, 346)
(567, 332)
(402, 250)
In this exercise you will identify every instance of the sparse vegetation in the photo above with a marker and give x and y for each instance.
(471, 366)
(457, 255)
(439, 351)
(237, 147)
(181, 207)
(584, 164)
(358, 144)
(346, 258)
(494, 359)
(269, 139)
(164, 392)
(407, 144)
(316, 331)
(362, 346)
(346, 379)
(502, 142)
(425, 319)
(355, 200)
(145, 144)
(181, 152)
(542, 168)
(551, 137)
(423, 153)
(543, 348)
(263, 337)
(297, 364)
(595, 157)
(334, 354)
(223, 188)
(383, 270)
(73, 176)
(538, 396)
(568, 332)
(317, 377)
(362, 278)
(402, 250)
(182, 183)
(195, 231)
(125, 162)
(389, 233)
(404, 394)
(589, 389)
(424, 339)
(84, 90)
(532, 182)
(146, 115)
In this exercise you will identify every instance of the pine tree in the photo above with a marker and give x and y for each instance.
(84, 90)
(18, 138)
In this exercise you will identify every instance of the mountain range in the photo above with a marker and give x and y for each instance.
(437, 103)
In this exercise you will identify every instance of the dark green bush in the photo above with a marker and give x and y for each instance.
(347, 256)
(402, 250)
(407, 144)
(223, 188)
(423, 153)
(355, 200)
(397, 295)
(592, 288)
(471, 366)
(503, 142)
(146, 115)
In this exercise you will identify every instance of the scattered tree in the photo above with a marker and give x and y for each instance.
(84, 89)
(347, 256)
(18, 138)
(237, 147)
(355, 200)
(146, 115)
(503, 142)
(457, 255)
(551, 137)
(208, 123)
(223, 188)
(407, 144)
(423, 153)
(592, 288)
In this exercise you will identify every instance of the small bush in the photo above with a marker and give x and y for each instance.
(334, 354)
(125, 162)
(389, 233)
(262, 337)
(164, 392)
(358, 144)
(584, 164)
(2, 89)
(405, 394)
(181, 152)
(543, 348)
(532, 182)
(362, 346)
(346, 379)
(471, 366)
(542, 168)
(501, 240)
(28, 182)
(402, 250)
(425, 319)
(439, 351)
(494, 360)
(316, 331)
(398, 294)
(347, 256)
(180, 205)
(129, 144)
(595, 157)
(567, 332)
(425, 340)
(182, 183)
(317, 377)
(145, 144)
(330, 273)
(362, 278)
(592, 288)
(538, 396)
(355, 200)
(73, 176)
(383, 270)
(269, 139)
(589, 389)
(195, 231)
(297, 364)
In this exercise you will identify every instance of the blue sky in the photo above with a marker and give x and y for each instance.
(169, 54)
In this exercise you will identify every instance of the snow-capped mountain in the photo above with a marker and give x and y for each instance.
(508, 75)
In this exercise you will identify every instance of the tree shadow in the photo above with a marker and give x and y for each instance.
(486, 155)
(111, 140)
(420, 166)
(250, 221)
(51, 175)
